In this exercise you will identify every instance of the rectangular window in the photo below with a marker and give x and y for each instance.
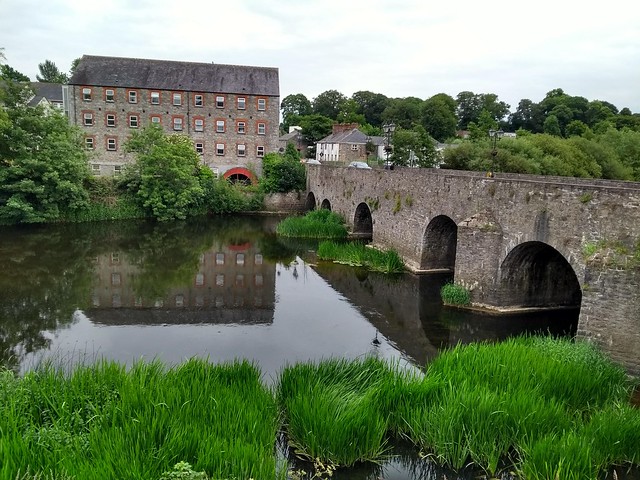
(134, 121)
(117, 169)
(262, 104)
(257, 259)
(177, 99)
(87, 119)
(219, 258)
(112, 144)
(95, 168)
(242, 126)
(260, 151)
(177, 123)
(239, 258)
(109, 95)
(111, 120)
(242, 103)
(220, 126)
(116, 279)
(133, 96)
(200, 147)
(86, 94)
(220, 280)
(155, 98)
(155, 119)
(262, 128)
(220, 101)
(88, 144)
(242, 150)
(198, 125)
(179, 300)
(219, 148)
(198, 100)
(355, 147)
(199, 279)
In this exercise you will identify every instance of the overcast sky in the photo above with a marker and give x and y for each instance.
(398, 48)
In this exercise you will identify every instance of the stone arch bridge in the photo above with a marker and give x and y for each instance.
(515, 241)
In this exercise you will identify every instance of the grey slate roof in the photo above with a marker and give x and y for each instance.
(352, 136)
(50, 91)
(172, 75)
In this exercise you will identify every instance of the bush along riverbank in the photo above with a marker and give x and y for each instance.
(541, 407)
(359, 255)
(321, 224)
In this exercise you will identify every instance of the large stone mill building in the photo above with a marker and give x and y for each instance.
(231, 112)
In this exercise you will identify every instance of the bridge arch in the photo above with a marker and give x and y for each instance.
(362, 221)
(535, 274)
(326, 204)
(310, 202)
(439, 244)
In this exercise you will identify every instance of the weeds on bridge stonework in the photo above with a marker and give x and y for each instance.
(611, 253)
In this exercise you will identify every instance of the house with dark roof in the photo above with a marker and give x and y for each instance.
(348, 144)
(47, 95)
(230, 112)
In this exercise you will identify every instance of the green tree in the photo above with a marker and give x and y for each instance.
(551, 126)
(315, 127)
(439, 116)
(329, 104)
(479, 129)
(528, 116)
(283, 173)
(294, 106)
(49, 73)
(167, 177)
(371, 105)
(9, 73)
(413, 148)
(74, 66)
(576, 128)
(43, 163)
(404, 112)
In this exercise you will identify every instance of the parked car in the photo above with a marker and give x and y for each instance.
(313, 161)
(359, 165)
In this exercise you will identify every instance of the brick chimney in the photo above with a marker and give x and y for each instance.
(343, 127)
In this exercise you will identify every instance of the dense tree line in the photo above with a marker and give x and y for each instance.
(560, 135)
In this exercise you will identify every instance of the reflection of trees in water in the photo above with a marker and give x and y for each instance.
(46, 277)
(47, 271)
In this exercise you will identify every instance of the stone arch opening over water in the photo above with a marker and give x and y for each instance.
(439, 244)
(362, 221)
(310, 202)
(326, 204)
(535, 274)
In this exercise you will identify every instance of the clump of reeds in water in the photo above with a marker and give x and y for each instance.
(359, 255)
(339, 412)
(321, 223)
(511, 404)
(106, 422)
(455, 294)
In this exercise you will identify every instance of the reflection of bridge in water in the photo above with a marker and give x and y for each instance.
(231, 285)
(407, 310)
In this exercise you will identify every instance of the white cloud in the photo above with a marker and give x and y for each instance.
(398, 48)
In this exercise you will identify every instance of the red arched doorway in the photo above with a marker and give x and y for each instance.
(240, 175)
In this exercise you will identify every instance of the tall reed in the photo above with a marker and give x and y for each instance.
(109, 423)
(359, 255)
(321, 223)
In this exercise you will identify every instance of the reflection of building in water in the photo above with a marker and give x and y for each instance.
(231, 284)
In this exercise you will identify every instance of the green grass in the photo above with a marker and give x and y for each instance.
(359, 255)
(108, 423)
(316, 224)
(334, 411)
(543, 407)
(455, 294)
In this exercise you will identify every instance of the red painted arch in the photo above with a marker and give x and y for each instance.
(241, 171)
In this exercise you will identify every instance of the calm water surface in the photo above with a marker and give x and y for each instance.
(222, 288)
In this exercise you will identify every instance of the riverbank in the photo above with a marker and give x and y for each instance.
(545, 408)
